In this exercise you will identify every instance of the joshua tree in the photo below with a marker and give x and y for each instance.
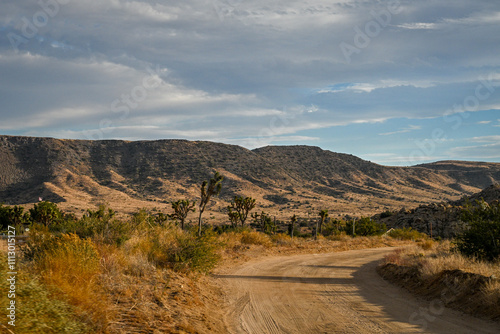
(292, 225)
(45, 213)
(323, 214)
(12, 215)
(242, 206)
(265, 222)
(233, 216)
(182, 209)
(209, 188)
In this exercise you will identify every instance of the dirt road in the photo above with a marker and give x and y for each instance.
(332, 293)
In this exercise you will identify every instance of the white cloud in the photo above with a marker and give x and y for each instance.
(490, 149)
(232, 69)
(486, 139)
(405, 130)
(418, 25)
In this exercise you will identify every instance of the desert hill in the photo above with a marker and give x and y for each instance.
(79, 174)
(440, 219)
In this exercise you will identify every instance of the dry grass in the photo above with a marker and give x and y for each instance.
(70, 268)
(434, 269)
(433, 257)
(155, 282)
(255, 238)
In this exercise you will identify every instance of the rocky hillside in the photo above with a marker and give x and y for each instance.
(284, 179)
(440, 219)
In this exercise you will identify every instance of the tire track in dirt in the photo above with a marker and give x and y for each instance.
(330, 293)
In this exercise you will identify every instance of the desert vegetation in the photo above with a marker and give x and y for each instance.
(462, 273)
(102, 274)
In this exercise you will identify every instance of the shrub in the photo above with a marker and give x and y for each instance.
(482, 239)
(37, 311)
(406, 233)
(69, 265)
(264, 222)
(255, 238)
(365, 227)
(333, 226)
(282, 239)
(179, 250)
(112, 231)
(195, 253)
(386, 214)
(100, 225)
(12, 216)
(46, 213)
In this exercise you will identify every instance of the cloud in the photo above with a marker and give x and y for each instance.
(489, 149)
(486, 139)
(233, 69)
(405, 130)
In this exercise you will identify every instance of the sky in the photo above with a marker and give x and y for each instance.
(396, 82)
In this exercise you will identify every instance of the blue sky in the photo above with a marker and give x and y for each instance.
(394, 82)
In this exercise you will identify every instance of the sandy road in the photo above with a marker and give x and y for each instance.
(332, 293)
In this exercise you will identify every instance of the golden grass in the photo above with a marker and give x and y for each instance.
(255, 238)
(434, 257)
(71, 268)
(150, 283)
(432, 268)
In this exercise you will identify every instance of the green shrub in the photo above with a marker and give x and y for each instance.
(406, 233)
(195, 253)
(333, 227)
(14, 216)
(365, 227)
(386, 214)
(100, 225)
(46, 213)
(482, 238)
(181, 250)
(108, 231)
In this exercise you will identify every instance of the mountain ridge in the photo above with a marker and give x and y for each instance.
(299, 178)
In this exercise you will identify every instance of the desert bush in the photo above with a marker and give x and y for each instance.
(386, 214)
(333, 226)
(111, 231)
(221, 229)
(407, 233)
(281, 239)
(14, 216)
(100, 226)
(37, 312)
(339, 236)
(70, 266)
(365, 227)
(46, 213)
(264, 222)
(482, 238)
(195, 253)
(176, 249)
(255, 238)
(39, 241)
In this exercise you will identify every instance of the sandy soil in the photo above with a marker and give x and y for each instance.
(332, 293)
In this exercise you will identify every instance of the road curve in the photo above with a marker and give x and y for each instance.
(332, 293)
